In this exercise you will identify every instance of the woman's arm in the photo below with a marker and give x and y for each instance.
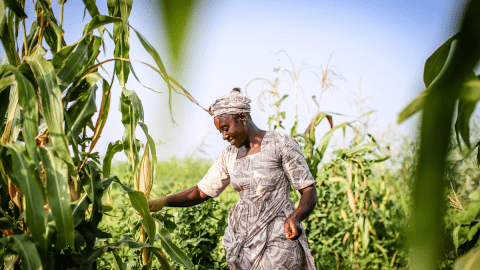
(305, 208)
(186, 198)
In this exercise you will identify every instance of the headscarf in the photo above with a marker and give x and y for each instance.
(231, 103)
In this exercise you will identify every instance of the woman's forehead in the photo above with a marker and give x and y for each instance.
(222, 120)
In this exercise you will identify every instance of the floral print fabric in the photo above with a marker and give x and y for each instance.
(254, 237)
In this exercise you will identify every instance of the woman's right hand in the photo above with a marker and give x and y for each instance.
(156, 205)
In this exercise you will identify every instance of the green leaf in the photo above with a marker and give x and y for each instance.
(83, 87)
(8, 40)
(112, 149)
(79, 114)
(360, 149)
(128, 241)
(469, 96)
(176, 15)
(455, 236)
(139, 202)
(4, 101)
(32, 38)
(97, 21)
(436, 62)
(122, 49)
(26, 179)
(163, 261)
(473, 230)
(24, 247)
(58, 196)
(173, 250)
(118, 261)
(61, 57)
(151, 50)
(91, 183)
(27, 99)
(6, 82)
(58, 41)
(16, 7)
(475, 196)
(325, 140)
(73, 66)
(92, 8)
(468, 261)
(52, 108)
(79, 208)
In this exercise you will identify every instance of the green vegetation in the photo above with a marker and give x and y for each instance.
(62, 208)
(52, 184)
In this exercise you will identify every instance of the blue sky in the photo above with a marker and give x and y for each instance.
(382, 43)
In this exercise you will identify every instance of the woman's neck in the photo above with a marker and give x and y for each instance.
(255, 136)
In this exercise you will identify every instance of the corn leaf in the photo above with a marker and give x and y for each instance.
(176, 14)
(26, 179)
(58, 196)
(6, 82)
(151, 50)
(92, 8)
(82, 87)
(7, 38)
(16, 7)
(79, 114)
(173, 250)
(118, 261)
(73, 66)
(163, 261)
(139, 202)
(61, 57)
(112, 149)
(433, 67)
(27, 99)
(92, 185)
(78, 209)
(99, 20)
(122, 49)
(12, 117)
(325, 140)
(4, 101)
(52, 108)
(24, 247)
(468, 261)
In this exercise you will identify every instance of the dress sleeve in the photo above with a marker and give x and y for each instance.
(217, 177)
(294, 164)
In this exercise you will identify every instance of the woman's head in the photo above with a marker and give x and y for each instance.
(234, 127)
(232, 117)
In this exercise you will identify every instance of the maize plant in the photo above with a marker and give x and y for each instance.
(51, 180)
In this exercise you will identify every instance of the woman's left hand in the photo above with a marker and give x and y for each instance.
(293, 229)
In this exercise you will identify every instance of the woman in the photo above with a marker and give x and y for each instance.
(264, 229)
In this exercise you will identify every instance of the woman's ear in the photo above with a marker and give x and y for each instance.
(242, 117)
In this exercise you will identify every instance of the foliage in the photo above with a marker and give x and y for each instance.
(52, 185)
(449, 78)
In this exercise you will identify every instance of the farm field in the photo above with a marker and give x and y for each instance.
(384, 202)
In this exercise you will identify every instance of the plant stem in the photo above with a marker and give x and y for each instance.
(61, 14)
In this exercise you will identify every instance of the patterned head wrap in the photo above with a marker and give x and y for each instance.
(231, 103)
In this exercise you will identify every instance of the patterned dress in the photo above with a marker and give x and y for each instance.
(254, 237)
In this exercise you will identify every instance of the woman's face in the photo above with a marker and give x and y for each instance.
(232, 129)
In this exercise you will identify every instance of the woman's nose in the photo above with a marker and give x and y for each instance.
(224, 134)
